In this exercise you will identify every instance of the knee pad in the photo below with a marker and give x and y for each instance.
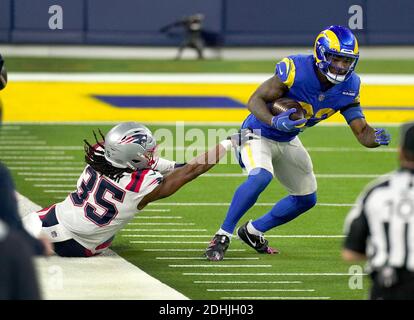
(306, 202)
(260, 178)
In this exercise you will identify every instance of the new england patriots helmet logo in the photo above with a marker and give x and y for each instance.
(137, 138)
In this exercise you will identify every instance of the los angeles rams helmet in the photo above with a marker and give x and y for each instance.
(130, 145)
(335, 41)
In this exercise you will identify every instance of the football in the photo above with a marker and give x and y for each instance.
(283, 104)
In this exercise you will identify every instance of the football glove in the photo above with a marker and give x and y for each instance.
(282, 121)
(382, 137)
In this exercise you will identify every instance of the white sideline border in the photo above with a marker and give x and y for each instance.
(106, 277)
(253, 78)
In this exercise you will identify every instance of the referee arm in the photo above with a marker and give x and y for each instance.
(356, 234)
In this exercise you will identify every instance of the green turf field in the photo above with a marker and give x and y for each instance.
(28, 64)
(46, 161)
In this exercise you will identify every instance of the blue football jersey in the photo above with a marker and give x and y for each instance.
(298, 73)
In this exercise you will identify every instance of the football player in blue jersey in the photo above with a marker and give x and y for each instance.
(323, 83)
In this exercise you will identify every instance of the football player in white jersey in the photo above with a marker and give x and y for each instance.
(122, 175)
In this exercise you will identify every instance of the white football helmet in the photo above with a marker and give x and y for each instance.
(130, 145)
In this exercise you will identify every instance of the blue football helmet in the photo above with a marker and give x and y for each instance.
(334, 45)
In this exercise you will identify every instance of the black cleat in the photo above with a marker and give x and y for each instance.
(258, 243)
(217, 248)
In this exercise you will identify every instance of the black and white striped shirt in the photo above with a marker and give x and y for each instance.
(381, 225)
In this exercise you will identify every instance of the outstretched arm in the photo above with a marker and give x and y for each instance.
(180, 176)
(196, 167)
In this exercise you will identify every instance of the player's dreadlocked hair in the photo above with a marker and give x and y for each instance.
(96, 159)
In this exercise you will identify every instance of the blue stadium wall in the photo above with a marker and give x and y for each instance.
(228, 22)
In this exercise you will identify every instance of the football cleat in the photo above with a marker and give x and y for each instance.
(217, 248)
(258, 243)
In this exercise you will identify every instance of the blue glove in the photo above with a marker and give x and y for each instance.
(282, 122)
(382, 137)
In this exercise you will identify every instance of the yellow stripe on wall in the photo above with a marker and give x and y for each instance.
(30, 101)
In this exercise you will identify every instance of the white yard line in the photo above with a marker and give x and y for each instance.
(10, 128)
(21, 137)
(206, 175)
(51, 179)
(254, 78)
(246, 282)
(43, 148)
(208, 236)
(49, 174)
(37, 158)
(311, 274)
(168, 242)
(187, 250)
(203, 258)
(157, 217)
(41, 162)
(219, 204)
(163, 230)
(321, 176)
(20, 168)
(22, 143)
(31, 152)
(107, 277)
(8, 132)
(220, 265)
(305, 236)
(54, 185)
(260, 290)
(201, 148)
(164, 236)
(160, 223)
(275, 298)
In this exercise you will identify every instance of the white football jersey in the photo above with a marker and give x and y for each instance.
(101, 206)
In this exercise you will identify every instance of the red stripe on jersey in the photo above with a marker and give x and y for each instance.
(104, 245)
(136, 180)
(46, 211)
(141, 179)
(132, 182)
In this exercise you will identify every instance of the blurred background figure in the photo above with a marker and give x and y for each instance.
(193, 37)
(379, 228)
(18, 279)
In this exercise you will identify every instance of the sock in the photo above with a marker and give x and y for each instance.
(224, 232)
(245, 197)
(252, 230)
(284, 211)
